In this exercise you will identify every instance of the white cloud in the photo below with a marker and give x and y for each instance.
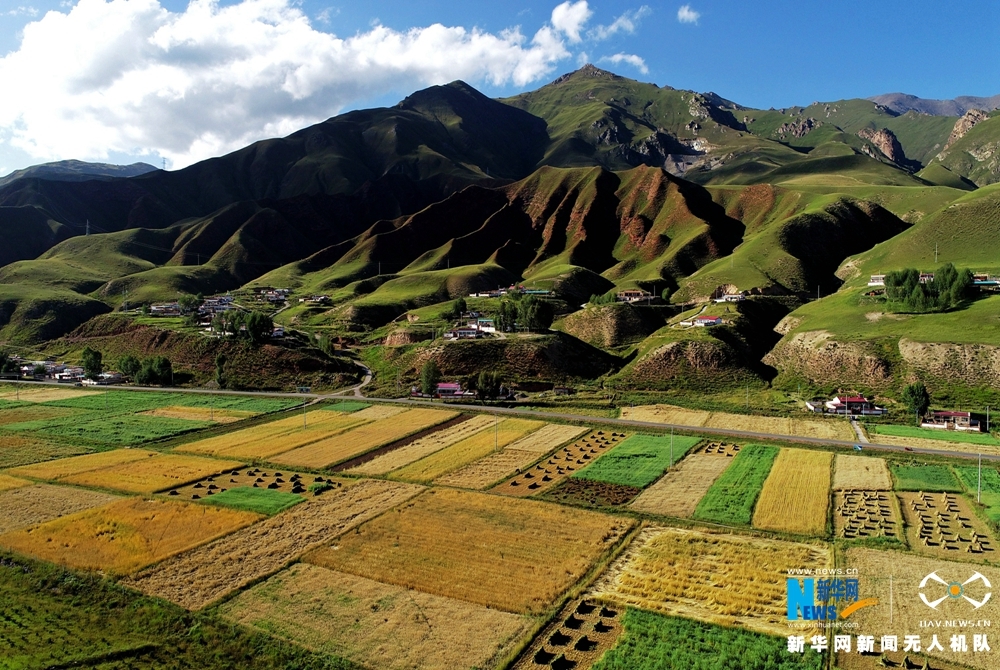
(626, 23)
(635, 61)
(22, 10)
(327, 13)
(569, 18)
(193, 84)
(687, 15)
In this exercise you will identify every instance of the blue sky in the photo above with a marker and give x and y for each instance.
(119, 80)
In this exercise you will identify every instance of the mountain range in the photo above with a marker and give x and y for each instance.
(590, 184)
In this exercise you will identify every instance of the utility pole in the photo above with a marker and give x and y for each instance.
(496, 432)
(979, 484)
(671, 449)
(935, 253)
(748, 396)
(987, 418)
(303, 416)
(88, 227)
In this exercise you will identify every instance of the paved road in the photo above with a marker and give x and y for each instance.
(575, 418)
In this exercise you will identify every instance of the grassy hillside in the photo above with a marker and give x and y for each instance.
(977, 155)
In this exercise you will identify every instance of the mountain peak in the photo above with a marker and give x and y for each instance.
(589, 71)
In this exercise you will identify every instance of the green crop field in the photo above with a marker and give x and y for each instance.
(55, 618)
(732, 497)
(142, 401)
(969, 476)
(654, 641)
(117, 429)
(638, 461)
(925, 478)
(932, 434)
(249, 499)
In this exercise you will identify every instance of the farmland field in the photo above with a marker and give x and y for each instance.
(590, 493)
(732, 497)
(504, 553)
(54, 470)
(679, 491)
(937, 440)
(489, 469)
(638, 461)
(376, 624)
(7, 482)
(252, 478)
(198, 414)
(944, 525)
(579, 635)
(956, 436)
(908, 611)
(30, 505)
(131, 402)
(29, 412)
(705, 576)
(202, 576)
(860, 514)
(261, 501)
(559, 465)
(653, 641)
(832, 430)
(549, 437)
(990, 487)
(423, 446)
(796, 495)
(468, 450)
(116, 429)
(157, 473)
(17, 450)
(126, 535)
(922, 477)
(364, 438)
(36, 394)
(861, 472)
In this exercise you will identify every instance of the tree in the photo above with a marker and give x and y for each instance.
(950, 288)
(39, 370)
(7, 364)
(93, 363)
(259, 327)
(916, 398)
(188, 303)
(506, 318)
(430, 375)
(220, 370)
(666, 294)
(488, 385)
(535, 314)
(129, 365)
(156, 371)
(458, 308)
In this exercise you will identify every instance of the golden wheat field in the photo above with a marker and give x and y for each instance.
(124, 536)
(723, 579)
(162, 472)
(505, 553)
(489, 469)
(935, 445)
(796, 495)
(199, 577)
(29, 505)
(42, 394)
(824, 429)
(65, 467)
(7, 482)
(363, 439)
(907, 610)
(199, 414)
(860, 472)
(468, 450)
(679, 491)
(548, 437)
(560, 465)
(423, 446)
(376, 624)
(273, 438)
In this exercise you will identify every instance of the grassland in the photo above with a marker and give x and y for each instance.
(732, 497)
(988, 486)
(160, 472)
(670, 414)
(861, 472)
(201, 576)
(468, 450)
(423, 446)
(796, 495)
(922, 477)
(504, 553)
(260, 501)
(363, 439)
(932, 434)
(707, 577)
(375, 624)
(652, 641)
(638, 461)
(678, 492)
(126, 535)
(29, 505)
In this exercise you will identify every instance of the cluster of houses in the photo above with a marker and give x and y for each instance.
(474, 328)
(454, 391)
(501, 292)
(854, 405)
(703, 321)
(981, 279)
(316, 300)
(63, 373)
(949, 420)
(633, 295)
(269, 294)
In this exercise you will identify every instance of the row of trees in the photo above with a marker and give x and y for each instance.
(949, 289)
(528, 313)
(154, 371)
(256, 326)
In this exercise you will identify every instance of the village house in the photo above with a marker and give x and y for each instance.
(847, 404)
(633, 295)
(730, 297)
(464, 333)
(947, 420)
(165, 309)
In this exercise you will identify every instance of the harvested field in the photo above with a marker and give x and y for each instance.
(30, 505)
(559, 465)
(364, 438)
(200, 577)
(861, 472)
(375, 624)
(42, 394)
(944, 525)
(65, 467)
(732, 497)
(513, 555)
(255, 478)
(18, 450)
(199, 414)
(589, 492)
(859, 514)
(908, 610)
(796, 495)
(708, 577)
(824, 429)
(468, 450)
(580, 634)
(423, 446)
(679, 491)
(638, 461)
(161, 472)
(126, 535)
(276, 437)
(7, 482)
(549, 437)
(374, 412)
(936, 445)
(489, 469)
